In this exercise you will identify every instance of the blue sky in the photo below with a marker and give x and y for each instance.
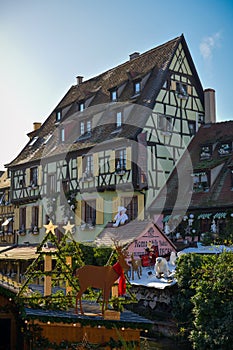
(45, 44)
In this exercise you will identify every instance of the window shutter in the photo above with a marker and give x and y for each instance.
(112, 162)
(140, 207)
(16, 219)
(99, 211)
(28, 217)
(78, 213)
(40, 175)
(116, 201)
(79, 167)
(40, 216)
(27, 179)
(95, 164)
(173, 85)
(128, 158)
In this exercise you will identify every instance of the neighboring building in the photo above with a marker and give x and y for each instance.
(6, 211)
(209, 186)
(111, 141)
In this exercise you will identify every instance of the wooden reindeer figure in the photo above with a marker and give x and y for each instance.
(136, 266)
(102, 277)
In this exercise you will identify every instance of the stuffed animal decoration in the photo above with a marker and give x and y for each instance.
(121, 217)
(161, 267)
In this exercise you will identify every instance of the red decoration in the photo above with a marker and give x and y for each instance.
(122, 282)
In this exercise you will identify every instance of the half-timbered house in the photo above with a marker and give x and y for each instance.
(111, 141)
(6, 211)
(209, 210)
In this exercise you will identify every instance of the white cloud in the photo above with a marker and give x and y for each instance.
(208, 44)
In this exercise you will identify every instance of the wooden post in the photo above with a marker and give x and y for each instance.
(47, 279)
(68, 262)
(115, 291)
(18, 272)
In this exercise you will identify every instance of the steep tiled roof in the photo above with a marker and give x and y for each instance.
(220, 193)
(151, 67)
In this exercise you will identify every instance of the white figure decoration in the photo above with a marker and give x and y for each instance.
(213, 227)
(161, 267)
(173, 258)
(166, 229)
(121, 217)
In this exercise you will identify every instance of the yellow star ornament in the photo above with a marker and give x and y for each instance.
(50, 227)
(68, 228)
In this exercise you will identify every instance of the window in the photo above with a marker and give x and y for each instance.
(131, 204)
(104, 166)
(34, 176)
(89, 212)
(88, 126)
(35, 217)
(114, 95)
(200, 182)
(51, 183)
(181, 90)
(206, 152)
(119, 119)
(137, 88)
(85, 127)
(82, 128)
(62, 135)
(165, 123)
(225, 148)
(81, 106)
(58, 116)
(201, 118)
(33, 141)
(22, 219)
(120, 164)
(88, 165)
(192, 128)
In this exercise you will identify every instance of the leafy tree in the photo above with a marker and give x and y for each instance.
(203, 305)
(213, 305)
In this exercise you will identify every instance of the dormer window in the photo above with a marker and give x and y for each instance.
(200, 182)
(181, 90)
(85, 128)
(33, 141)
(88, 126)
(114, 95)
(137, 87)
(118, 119)
(82, 128)
(206, 152)
(62, 135)
(81, 106)
(225, 149)
(58, 116)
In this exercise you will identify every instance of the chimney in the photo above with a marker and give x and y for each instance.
(210, 108)
(79, 79)
(36, 126)
(134, 55)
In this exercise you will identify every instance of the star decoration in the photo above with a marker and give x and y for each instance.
(50, 227)
(68, 228)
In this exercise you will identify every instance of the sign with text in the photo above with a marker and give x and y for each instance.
(151, 236)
